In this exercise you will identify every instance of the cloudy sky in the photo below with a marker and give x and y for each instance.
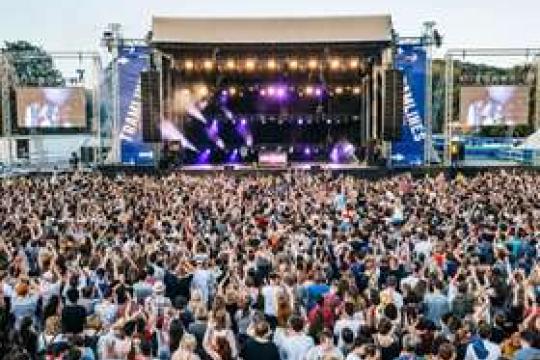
(77, 25)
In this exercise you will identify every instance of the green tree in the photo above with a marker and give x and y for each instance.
(33, 65)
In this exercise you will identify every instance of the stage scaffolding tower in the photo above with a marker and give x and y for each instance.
(9, 82)
(453, 54)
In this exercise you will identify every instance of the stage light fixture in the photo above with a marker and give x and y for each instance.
(232, 91)
(312, 64)
(263, 92)
(208, 65)
(188, 65)
(230, 64)
(280, 92)
(202, 90)
(300, 121)
(250, 64)
(339, 90)
(271, 64)
(354, 63)
(271, 91)
(309, 90)
(293, 64)
(318, 92)
(356, 90)
(335, 64)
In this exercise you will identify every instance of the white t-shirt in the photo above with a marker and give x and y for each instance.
(269, 294)
(423, 247)
(293, 347)
(494, 351)
(316, 353)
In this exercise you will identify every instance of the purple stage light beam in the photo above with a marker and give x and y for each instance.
(204, 157)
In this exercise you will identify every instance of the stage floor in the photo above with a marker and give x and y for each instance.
(293, 166)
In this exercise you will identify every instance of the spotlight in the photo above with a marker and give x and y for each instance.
(318, 92)
(271, 64)
(334, 64)
(312, 64)
(309, 90)
(291, 149)
(230, 64)
(280, 92)
(208, 65)
(207, 151)
(307, 151)
(243, 122)
(188, 65)
(356, 90)
(263, 92)
(339, 90)
(232, 91)
(202, 90)
(329, 121)
(353, 64)
(293, 64)
(250, 65)
(271, 91)
(300, 121)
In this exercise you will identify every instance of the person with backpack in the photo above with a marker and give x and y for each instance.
(481, 348)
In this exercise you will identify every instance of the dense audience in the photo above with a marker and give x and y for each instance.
(290, 267)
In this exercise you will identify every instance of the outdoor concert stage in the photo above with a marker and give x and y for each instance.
(224, 91)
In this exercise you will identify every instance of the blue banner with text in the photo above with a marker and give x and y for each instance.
(409, 150)
(132, 60)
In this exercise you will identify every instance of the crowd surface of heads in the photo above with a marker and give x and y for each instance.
(296, 266)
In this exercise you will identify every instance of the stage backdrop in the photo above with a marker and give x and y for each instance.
(132, 60)
(409, 150)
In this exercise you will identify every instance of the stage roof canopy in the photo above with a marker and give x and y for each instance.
(338, 29)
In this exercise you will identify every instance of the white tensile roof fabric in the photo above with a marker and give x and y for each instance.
(377, 28)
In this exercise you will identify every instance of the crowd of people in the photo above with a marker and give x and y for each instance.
(295, 266)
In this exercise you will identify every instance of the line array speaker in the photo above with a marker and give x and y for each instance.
(150, 106)
(393, 105)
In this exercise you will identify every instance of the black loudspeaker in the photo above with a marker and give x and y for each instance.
(393, 105)
(23, 149)
(87, 154)
(150, 109)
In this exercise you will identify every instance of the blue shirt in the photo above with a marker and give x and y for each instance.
(528, 353)
(314, 292)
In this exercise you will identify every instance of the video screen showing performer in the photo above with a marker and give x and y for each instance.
(51, 108)
(494, 106)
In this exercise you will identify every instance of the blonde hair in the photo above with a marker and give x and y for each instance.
(52, 325)
(188, 342)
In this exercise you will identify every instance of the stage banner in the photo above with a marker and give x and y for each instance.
(132, 60)
(409, 150)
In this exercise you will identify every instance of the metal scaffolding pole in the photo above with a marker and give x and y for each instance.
(429, 27)
(449, 108)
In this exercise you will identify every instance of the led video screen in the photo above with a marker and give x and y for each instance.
(42, 107)
(493, 105)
